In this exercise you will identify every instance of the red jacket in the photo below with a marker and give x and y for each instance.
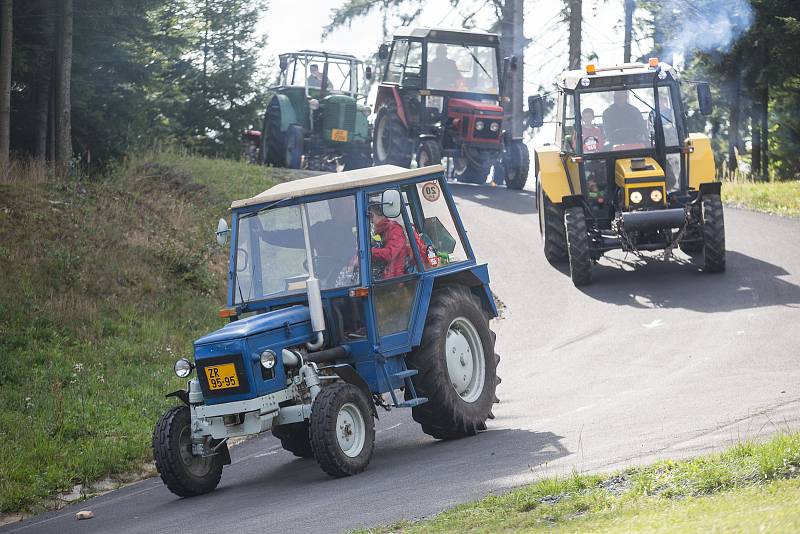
(395, 248)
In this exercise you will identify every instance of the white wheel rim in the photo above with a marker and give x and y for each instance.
(466, 364)
(351, 430)
(379, 148)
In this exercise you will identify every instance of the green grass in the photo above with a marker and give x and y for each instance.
(105, 283)
(781, 198)
(749, 488)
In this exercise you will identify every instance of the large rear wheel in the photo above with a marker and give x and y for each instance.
(295, 439)
(390, 138)
(551, 227)
(713, 234)
(580, 261)
(184, 473)
(456, 364)
(273, 142)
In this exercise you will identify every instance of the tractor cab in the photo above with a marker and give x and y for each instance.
(347, 292)
(624, 158)
(316, 117)
(440, 96)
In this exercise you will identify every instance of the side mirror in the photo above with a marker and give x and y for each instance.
(368, 73)
(392, 203)
(383, 51)
(222, 232)
(704, 98)
(535, 111)
(513, 64)
(284, 62)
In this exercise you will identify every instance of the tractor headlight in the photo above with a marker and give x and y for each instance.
(183, 368)
(367, 111)
(313, 104)
(479, 125)
(267, 359)
(636, 197)
(656, 195)
(494, 126)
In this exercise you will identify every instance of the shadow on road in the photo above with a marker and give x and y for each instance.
(499, 198)
(653, 283)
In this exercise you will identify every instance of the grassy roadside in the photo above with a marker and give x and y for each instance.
(104, 284)
(749, 488)
(780, 198)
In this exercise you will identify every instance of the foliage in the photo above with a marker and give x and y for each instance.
(143, 70)
(746, 488)
(105, 284)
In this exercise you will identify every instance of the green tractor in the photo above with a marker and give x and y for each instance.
(316, 116)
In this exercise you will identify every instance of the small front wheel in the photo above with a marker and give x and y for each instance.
(342, 430)
(713, 234)
(185, 474)
(580, 261)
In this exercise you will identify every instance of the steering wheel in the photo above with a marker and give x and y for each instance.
(626, 135)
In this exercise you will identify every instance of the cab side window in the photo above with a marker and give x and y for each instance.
(568, 132)
(394, 70)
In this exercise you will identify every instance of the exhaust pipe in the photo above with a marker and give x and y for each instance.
(644, 221)
(313, 289)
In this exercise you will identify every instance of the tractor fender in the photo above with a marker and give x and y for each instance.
(288, 116)
(710, 188)
(552, 172)
(347, 373)
(477, 280)
(701, 161)
(181, 394)
(390, 92)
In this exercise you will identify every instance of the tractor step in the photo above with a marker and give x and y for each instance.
(405, 374)
(410, 403)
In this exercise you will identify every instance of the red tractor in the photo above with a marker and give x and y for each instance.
(440, 97)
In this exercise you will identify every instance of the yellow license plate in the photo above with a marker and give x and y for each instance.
(339, 135)
(222, 376)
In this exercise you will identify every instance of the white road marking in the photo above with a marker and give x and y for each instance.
(654, 324)
(390, 428)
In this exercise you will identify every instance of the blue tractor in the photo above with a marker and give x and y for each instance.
(346, 292)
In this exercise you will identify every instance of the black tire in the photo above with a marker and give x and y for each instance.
(429, 153)
(690, 248)
(323, 429)
(357, 160)
(294, 146)
(295, 439)
(713, 234)
(474, 174)
(446, 415)
(551, 227)
(517, 163)
(390, 142)
(273, 142)
(580, 261)
(184, 474)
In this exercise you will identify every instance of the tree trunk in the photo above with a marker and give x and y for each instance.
(6, 39)
(517, 114)
(659, 36)
(733, 123)
(755, 128)
(63, 108)
(765, 131)
(575, 20)
(630, 6)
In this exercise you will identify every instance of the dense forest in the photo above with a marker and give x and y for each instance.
(87, 81)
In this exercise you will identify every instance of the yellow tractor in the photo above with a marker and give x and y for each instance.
(624, 172)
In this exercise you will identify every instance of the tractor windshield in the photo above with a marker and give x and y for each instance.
(270, 249)
(338, 75)
(624, 119)
(462, 68)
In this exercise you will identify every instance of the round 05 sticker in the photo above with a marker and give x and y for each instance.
(431, 191)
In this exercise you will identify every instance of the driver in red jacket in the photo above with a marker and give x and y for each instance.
(393, 250)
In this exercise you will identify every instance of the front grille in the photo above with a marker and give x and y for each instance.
(349, 118)
(241, 374)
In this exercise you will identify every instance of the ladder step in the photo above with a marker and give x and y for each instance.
(405, 374)
(410, 403)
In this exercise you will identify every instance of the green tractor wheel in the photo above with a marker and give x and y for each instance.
(273, 143)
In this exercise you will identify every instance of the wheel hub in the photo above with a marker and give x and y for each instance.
(465, 359)
(350, 430)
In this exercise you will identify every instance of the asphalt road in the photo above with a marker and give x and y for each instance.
(653, 360)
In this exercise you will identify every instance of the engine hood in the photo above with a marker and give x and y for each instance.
(473, 106)
(257, 324)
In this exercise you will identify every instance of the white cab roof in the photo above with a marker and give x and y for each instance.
(337, 181)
